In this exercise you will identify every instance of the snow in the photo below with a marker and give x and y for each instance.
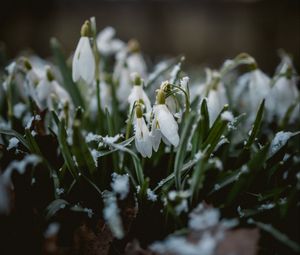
(13, 143)
(19, 109)
(89, 212)
(111, 215)
(151, 195)
(280, 139)
(182, 207)
(202, 218)
(95, 155)
(52, 230)
(120, 185)
(59, 191)
(180, 246)
(20, 166)
(227, 116)
(92, 138)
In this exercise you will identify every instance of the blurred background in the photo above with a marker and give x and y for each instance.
(206, 31)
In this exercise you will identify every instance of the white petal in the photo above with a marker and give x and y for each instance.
(155, 135)
(60, 92)
(142, 139)
(87, 61)
(167, 124)
(171, 104)
(75, 63)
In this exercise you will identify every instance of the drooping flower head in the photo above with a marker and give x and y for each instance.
(48, 89)
(164, 125)
(84, 61)
(138, 94)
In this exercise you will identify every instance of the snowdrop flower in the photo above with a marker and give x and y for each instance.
(32, 79)
(170, 102)
(106, 43)
(138, 94)
(216, 97)
(283, 93)
(251, 89)
(143, 141)
(164, 125)
(83, 61)
(49, 87)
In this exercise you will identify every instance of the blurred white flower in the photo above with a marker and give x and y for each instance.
(284, 92)
(106, 42)
(84, 61)
(214, 91)
(251, 89)
(124, 88)
(48, 89)
(143, 141)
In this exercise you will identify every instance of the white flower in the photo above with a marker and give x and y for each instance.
(143, 141)
(138, 94)
(106, 43)
(47, 88)
(83, 60)
(251, 89)
(283, 93)
(164, 125)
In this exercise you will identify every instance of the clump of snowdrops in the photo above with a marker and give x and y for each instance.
(151, 152)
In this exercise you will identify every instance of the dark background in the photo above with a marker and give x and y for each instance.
(207, 32)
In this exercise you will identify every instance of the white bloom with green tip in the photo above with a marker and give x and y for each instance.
(164, 125)
(143, 141)
(84, 61)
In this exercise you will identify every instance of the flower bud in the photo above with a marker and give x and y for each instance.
(136, 79)
(138, 111)
(161, 97)
(86, 29)
(134, 46)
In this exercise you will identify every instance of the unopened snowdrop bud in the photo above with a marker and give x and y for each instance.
(164, 125)
(143, 141)
(134, 46)
(84, 61)
(138, 94)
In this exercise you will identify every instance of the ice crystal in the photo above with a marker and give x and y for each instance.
(120, 185)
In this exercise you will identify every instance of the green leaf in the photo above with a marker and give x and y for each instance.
(256, 126)
(181, 151)
(54, 207)
(64, 147)
(276, 234)
(11, 132)
(81, 152)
